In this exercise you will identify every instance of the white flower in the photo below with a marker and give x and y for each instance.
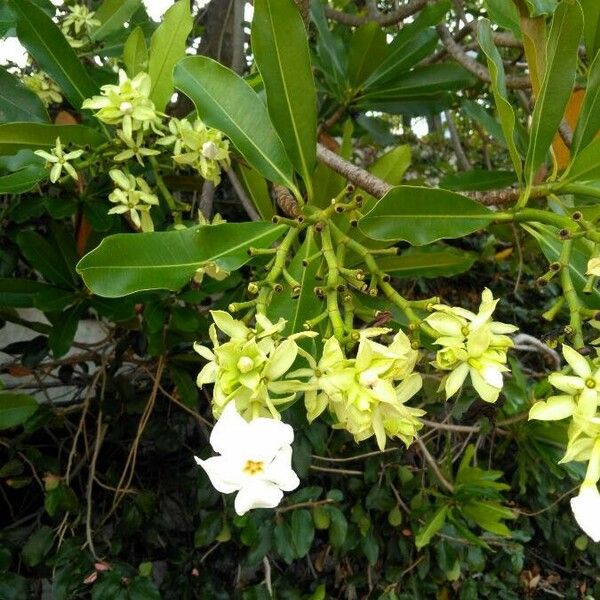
(255, 460)
(58, 160)
(586, 509)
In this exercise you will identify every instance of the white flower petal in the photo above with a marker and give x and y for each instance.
(280, 471)
(586, 508)
(230, 434)
(266, 437)
(257, 494)
(224, 474)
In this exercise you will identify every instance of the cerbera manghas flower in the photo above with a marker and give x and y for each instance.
(57, 160)
(471, 345)
(248, 369)
(134, 197)
(367, 394)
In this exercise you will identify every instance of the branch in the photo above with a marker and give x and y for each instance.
(433, 464)
(463, 161)
(457, 52)
(391, 18)
(359, 177)
(241, 194)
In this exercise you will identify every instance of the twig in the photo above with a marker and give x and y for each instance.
(524, 341)
(308, 504)
(390, 18)
(458, 53)
(433, 464)
(452, 427)
(207, 198)
(566, 133)
(353, 458)
(463, 161)
(241, 194)
(335, 471)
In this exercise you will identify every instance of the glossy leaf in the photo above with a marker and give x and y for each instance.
(557, 84)
(258, 191)
(280, 47)
(367, 50)
(422, 215)
(586, 165)
(225, 101)
(498, 79)
(167, 48)
(112, 14)
(541, 7)
(19, 103)
(15, 409)
(431, 527)
(126, 263)
(588, 123)
(504, 14)
(478, 179)
(22, 180)
(48, 46)
(25, 293)
(33, 136)
(135, 52)
(591, 27)
(411, 44)
(437, 260)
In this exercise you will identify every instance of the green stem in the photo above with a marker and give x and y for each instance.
(333, 280)
(570, 294)
(160, 183)
(276, 270)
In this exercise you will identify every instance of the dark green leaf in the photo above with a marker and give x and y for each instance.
(258, 191)
(303, 531)
(48, 46)
(588, 123)
(23, 293)
(23, 180)
(557, 84)
(135, 52)
(112, 14)
(208, 530)
(437, 260)
(541, 7)
(498, 77)
(431, 527)
(421, 215)
(15, 409)
(142, 588)
(504, 14)
(225, 101)
(591, 27)
(338, 527)
(167, 48)
(34, 136)
(368, 49)
(280, 46)
(126, 263)
(19, 103)
(64, 327)
(37, 546)
(478, 179)
(586, 165)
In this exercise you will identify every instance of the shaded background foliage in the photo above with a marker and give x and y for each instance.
(100, 495)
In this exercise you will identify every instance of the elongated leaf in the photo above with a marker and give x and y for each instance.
(367, 50)
(591, 28)
(280, 46)
(557, 84)
(225, 101)
(426, 80)
(126, 263)
(431, 527)
(437, 260)
(504, 14)
(32, 136)
(64, 328)
(15, 409)
(167, 48)
(478, 179)
(421, 215)
(258, 190)
(586, 165)
(411, 44)
(47, 258)
(135, 52)
(17, 102)
(551, 246)
(46, 43)
(498, 80)
(306, 306)
(588, 123)
(112, 14)
(23, 180)
(23, 293)
(541, 7)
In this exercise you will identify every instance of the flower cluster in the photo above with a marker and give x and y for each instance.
(134, 197)
(47, 91)
(78, 25)
(367, 395)
(126, 104)
(578, 400)
(248, 369)
(198, 146)
(471, 344)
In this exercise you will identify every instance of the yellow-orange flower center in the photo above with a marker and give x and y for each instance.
(253, 467)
